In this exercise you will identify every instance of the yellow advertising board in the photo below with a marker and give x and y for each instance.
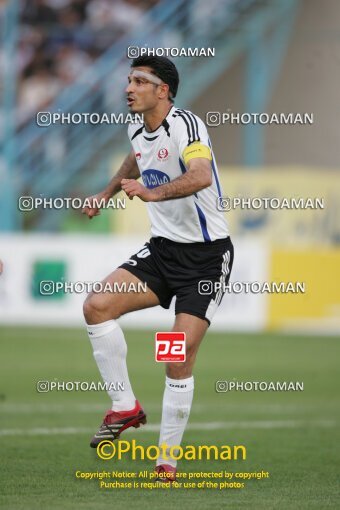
(318, 308)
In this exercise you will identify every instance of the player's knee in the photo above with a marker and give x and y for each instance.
(89, 309)
(182, 370)
(96, 310)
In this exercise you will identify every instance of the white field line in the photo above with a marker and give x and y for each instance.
(215, 425)
(51, 408)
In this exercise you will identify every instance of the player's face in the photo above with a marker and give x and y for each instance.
(141, 94)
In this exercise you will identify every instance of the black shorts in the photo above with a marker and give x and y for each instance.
(178, 269)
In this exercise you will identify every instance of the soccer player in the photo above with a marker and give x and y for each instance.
(189, 242)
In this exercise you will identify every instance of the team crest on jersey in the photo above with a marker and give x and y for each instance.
(163, 154)
(138, 156)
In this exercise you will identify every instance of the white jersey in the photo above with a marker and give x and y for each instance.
(161, 156)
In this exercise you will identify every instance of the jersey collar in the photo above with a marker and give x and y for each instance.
(164, 124)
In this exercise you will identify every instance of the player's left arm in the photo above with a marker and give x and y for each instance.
(197, 177)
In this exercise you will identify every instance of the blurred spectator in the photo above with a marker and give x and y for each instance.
(37, 91)
(121, 16)
(38, 13)
(70, 63)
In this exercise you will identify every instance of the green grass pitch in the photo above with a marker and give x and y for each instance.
(292, 435)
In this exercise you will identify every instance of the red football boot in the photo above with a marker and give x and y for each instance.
(166, 473)
(115, 422)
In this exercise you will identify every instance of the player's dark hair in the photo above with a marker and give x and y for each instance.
(163, 68)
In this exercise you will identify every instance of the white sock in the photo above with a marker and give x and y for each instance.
(177, 401)
(109, 351)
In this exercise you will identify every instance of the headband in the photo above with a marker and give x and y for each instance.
(148, 76)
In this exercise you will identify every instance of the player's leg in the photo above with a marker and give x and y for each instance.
(195, 308)
(179, 389)
(110, 349)
(107, 338)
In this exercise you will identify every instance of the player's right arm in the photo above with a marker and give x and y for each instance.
(128, 170)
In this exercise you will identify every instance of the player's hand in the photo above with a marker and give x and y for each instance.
(134, 188)
(93, 209)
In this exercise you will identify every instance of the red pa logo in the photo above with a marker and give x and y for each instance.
(170, 347)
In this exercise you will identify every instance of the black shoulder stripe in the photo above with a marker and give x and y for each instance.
(193, 124)
(197, 136)
(138, 132)
(190, 140)
(191, 117)
(189, 124)
(196, 124)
